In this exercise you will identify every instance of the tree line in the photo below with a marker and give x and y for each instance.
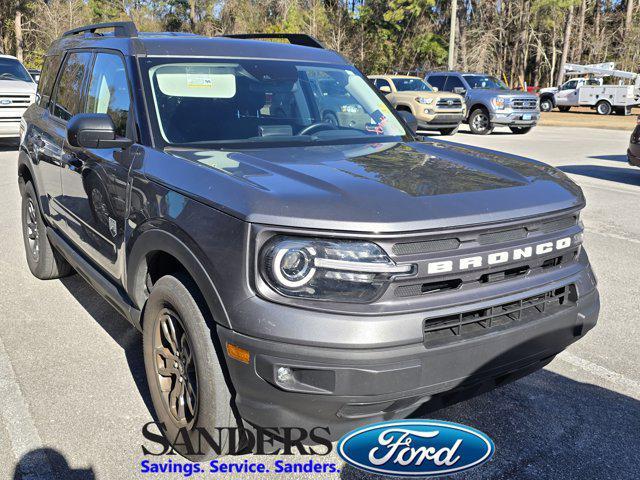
(521, 41)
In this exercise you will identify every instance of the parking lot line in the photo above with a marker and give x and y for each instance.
(599, 371)
(613, 235)
(23, 434)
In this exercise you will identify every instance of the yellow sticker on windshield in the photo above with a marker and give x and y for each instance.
(199, 78)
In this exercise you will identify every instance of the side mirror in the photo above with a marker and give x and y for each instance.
(94, 130)
(385, 89)
(460, 90)
(409, 119)
(435, 89)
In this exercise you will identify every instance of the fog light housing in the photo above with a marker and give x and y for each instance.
(284, 375)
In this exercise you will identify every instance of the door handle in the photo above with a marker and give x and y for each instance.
(71, 160)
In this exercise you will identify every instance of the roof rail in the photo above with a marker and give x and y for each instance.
(294, 38)
(120, 29)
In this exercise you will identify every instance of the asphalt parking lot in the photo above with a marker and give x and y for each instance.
(73, 393)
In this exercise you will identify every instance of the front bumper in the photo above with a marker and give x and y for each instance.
(517, 118)
(440, 120)
(9, 129)
(343, 388)
(633, 156)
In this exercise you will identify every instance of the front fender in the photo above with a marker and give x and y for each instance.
(161, 240)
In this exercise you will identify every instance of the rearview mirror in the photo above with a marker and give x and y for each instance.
(94, 130)
(385, 89)
(410, 120)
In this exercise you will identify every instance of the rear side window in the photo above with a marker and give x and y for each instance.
(67, 101)
(109, 90)
(437, 81)
(47, 79)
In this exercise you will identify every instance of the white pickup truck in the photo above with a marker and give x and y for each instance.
(17, 92)
(591, 92)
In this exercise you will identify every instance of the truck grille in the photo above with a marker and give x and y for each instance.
(449, 103)
(524, 103)
(14, 101)
(452, 243)
(473, 323)
(446, 118)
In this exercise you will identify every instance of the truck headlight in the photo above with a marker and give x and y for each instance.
(500, 103)
(424, 101)
(323, 269)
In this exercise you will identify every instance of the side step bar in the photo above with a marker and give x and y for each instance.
(110, 292)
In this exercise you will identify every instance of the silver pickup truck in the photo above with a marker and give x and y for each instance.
(490, 102)
(17, 92)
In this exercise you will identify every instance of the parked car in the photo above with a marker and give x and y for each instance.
(17, 92)
(552, 97)
(490, 103)
(633, 152)
(286, 271)
(434, 110)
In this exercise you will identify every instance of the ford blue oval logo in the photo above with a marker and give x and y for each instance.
(415, 448)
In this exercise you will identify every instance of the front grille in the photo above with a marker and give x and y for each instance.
(15, 101)
(524, 103)
(428, 246)
(473, 323)
(9, 119)
(446, 118)
(449, 103)
(489, 238)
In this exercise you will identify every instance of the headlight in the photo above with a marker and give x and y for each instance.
(500, 103)
(318, 269)
(350, 108)
(423, 100)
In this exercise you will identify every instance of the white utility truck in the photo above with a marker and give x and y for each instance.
(590, 90)
(17, 92)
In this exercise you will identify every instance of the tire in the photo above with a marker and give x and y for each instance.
(331, 119)
(175, 302)
(479, 122)
(449, 131)
(44, 261)
(603, 107)
(546, 105)
(520, 130)
(564, 109)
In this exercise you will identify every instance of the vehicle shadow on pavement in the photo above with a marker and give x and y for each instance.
(630, 176)
(613, 158)
(47, 463)
(117, 327)
(547, 426)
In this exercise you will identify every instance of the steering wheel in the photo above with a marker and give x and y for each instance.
(316, 126)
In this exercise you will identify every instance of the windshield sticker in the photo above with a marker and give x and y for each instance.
(199, 78)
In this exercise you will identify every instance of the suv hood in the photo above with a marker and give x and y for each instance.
(383, 187)
(411, 95)
(16, 86)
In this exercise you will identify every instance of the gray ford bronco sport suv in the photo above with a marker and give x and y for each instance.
(284, 270)
(490, 103)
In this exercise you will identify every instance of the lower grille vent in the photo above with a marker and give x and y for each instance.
(451, 328)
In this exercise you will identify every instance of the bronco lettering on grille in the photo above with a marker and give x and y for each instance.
(497, 258)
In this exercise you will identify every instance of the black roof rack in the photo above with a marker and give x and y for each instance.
(294, 38)
(120, 29)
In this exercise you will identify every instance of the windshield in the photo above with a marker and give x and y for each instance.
(264, 102)
(485, 82)
(411, 85)
(12, 69)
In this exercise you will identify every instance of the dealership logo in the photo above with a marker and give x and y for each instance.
(415, 448)
(497, 258)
